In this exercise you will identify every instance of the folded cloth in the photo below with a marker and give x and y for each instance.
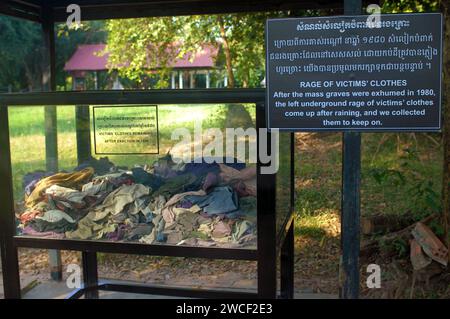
(60, 226)
(247, 207)
(187, 223)
(42, 206)
(175, 185)
(157, 204)
(90, 229)
(72, 180)
(29, 215)
(97, 188)
(142, 177)
(28, 230)
(139, 231)
(168, 212)
(221, 229)
(157, 231)
(221, 200)
(69, 194)
(118, 234)
(241, 229)
(115, 179)
(115, 202)
(140, 205)
(54, 216)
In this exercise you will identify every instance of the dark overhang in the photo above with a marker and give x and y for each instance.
(36, 10)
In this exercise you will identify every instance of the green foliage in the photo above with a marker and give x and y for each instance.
(138, 45)
(437, 227)
(411, 176)
(401, 247)
(67, 41)
(21, 54)
(399, 6)
(398, 247)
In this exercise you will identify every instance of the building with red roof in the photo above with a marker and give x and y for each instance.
(187, 72)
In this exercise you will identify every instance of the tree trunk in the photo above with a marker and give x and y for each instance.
(246, 79)
(227, 50)
(445, 9)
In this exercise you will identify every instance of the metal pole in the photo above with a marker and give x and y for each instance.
(266, 221)
(9, 257)
(83, 129)
(90, 274)
(49, 84)
(51, 135)
(350, 214)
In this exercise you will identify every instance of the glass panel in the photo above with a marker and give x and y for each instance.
(283, 188)
(166, 174)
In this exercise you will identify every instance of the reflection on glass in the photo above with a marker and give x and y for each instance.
(138, 189)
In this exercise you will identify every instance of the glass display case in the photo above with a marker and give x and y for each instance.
(167, 173)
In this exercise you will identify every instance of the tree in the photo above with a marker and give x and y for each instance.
(22, 51)
(444, 7)
(137, 46)
(21, 54)
(402, 6)
(67, 41)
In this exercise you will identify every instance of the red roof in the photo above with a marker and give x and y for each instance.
(88, 57)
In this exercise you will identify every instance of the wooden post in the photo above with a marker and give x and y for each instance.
(350, 207)
(267, 250)
(83, 129)
(83, 133)
(51, 136)
(208, 79)
(172, 83)
(191, 79)
(180, 79)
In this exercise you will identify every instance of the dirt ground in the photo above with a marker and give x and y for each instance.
(317, 246)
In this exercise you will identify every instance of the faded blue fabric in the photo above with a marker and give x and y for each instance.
(221, 200)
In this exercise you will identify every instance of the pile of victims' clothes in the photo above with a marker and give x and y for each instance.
(202, 203)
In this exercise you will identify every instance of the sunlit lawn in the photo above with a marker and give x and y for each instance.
(27, 137)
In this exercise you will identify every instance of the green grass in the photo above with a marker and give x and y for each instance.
(410, 171)
(318, 168)
(27, 136)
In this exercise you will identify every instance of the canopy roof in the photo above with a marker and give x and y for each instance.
(39, 10)
(90, 57)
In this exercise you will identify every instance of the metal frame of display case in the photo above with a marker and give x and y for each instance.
(271, 243)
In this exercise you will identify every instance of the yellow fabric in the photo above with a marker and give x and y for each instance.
(72, 180)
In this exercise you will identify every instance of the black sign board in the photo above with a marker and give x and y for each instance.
(351, 73)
